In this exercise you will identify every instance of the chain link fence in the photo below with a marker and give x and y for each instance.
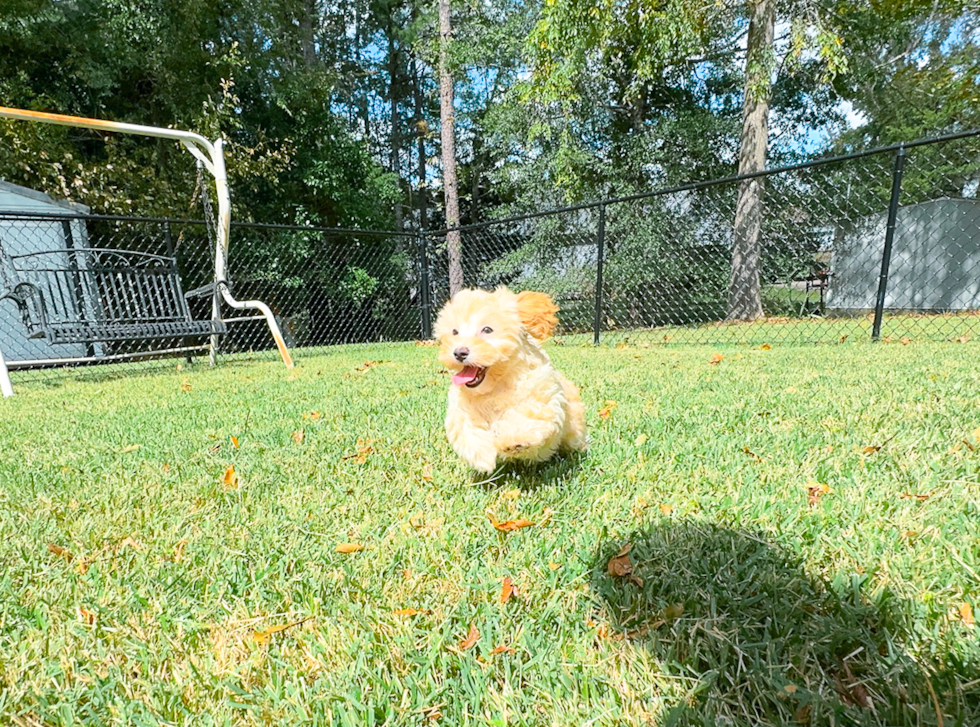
(881, 244)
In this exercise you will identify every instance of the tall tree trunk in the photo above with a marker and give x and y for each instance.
(744, 289)
(307, 33)
(421, 127)
(447, 119)
(395, 139)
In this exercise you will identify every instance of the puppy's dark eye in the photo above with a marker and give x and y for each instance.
(487, 329)
(455, 332)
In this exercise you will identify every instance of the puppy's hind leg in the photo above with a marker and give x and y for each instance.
(575, 436)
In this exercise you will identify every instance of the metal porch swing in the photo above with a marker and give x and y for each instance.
(149, 302)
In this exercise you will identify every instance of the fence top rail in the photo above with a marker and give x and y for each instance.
(710, 182)
(70, 215)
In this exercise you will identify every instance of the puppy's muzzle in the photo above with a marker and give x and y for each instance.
(461, 353)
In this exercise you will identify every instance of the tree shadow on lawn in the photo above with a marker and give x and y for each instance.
(529, 476)
(767, 644)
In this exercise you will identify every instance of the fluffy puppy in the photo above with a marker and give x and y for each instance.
(506, 400)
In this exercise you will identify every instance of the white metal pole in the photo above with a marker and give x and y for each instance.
(5, 386)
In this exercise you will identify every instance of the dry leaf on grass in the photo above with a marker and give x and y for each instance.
(364, 448)
(263, 637)
(312, 415)
(640, 440)
(607, 409)
(814, 491)
(620, 564)
(129, 448)
(509, 525)
(913, 496)
(507, 590)
(966, 614)
(716, 359)
(471, 638)
(502, 649)
(298, 436)
(347, 548)
(179, 551)
(234, 441)
(412, 612)
(368, 365)
(554, 566)
(765, 347)
(60, 551)
(427, 473)
(666, 508)
(230, 479)
(751, 454)
(87, 617)
(426, 343)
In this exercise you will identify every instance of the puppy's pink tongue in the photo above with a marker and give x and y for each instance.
(466, 375)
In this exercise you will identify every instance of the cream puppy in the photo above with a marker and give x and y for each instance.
(506, 400)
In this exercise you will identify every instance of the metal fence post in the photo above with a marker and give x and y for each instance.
(600, 254)
(886, 255)
(424, 284)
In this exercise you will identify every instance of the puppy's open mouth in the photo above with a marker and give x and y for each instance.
(469, 376)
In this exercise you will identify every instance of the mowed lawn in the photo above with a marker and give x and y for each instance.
(756, 536)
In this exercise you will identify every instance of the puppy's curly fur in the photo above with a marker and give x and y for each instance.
(506, 400)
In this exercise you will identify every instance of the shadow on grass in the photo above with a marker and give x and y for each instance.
(530, 476)
(764, 643)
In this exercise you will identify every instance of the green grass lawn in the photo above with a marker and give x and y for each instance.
(803, 523)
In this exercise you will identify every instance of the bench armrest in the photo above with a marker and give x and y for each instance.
(30, 303)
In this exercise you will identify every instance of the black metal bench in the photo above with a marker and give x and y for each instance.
(100, 295)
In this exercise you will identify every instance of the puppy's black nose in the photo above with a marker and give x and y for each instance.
(461, 353)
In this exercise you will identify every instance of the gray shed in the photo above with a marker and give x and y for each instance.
(21, 234)
(935, 263)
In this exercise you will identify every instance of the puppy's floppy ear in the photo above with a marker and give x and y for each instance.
(537, 312)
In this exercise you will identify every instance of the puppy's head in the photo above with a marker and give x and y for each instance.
(481, 334)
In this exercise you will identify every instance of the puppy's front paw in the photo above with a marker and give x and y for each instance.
(484, 461)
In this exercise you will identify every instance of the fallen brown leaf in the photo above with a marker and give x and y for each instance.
(666, 508)
(312, 415)
(765, 347)
(620, 564)
(966, 614)
(751, 454)
(234, 441)
(816, 490)
(640, 440)
(607, 409)
(471, 638)
(230, 479)
(554, 566)
(842, 339)
(263, 637)
(185, 385)
(509, 525)
(298, 436)
(503, 649)
(716, 359)
(426, 343)
(87, 617)
(179, 551)
(367, 365)
(165, 468)
(905, 340)
(870, 449)
(507, 590)
(347, 548)
(412, 611)
(60, 551)
(913, 496)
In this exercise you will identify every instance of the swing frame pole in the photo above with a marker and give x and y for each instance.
(211, 157)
